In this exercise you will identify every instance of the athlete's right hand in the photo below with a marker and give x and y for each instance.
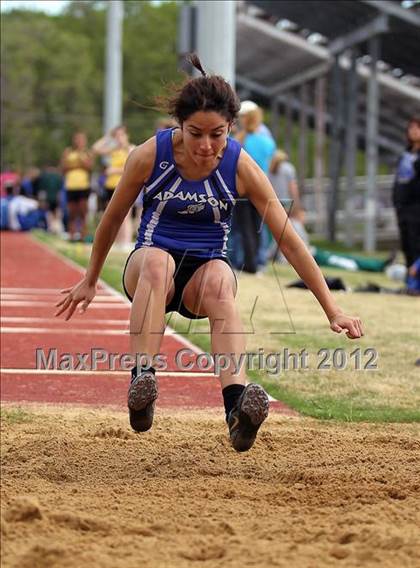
(81, 292)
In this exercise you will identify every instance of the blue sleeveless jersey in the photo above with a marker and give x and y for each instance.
(188, 217)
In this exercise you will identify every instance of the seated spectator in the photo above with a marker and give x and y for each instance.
(21, 213)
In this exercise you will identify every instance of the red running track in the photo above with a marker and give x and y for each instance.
(31, 277)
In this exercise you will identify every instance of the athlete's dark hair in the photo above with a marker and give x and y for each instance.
(206, 93)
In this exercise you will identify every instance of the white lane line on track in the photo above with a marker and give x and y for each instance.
(38, 291)
(66, 331)
(169, 331)
(17, 319)
(35, 372)
(56, 297)
(29, 290)
(94, 304)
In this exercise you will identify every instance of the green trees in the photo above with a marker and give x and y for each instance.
(52, 75)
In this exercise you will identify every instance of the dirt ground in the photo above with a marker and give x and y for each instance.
(80, 489)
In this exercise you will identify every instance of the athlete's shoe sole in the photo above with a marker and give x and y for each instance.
(142, 396)
(246, 418)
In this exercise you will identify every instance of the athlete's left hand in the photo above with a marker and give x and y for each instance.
(352, 326)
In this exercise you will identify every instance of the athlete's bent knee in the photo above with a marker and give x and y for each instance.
(218, 289)
(156, 275)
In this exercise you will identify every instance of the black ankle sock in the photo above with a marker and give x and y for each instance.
(134, 373)
(231, 393)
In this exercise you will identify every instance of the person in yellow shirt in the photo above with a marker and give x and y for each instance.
(116, 147)
(76, 164)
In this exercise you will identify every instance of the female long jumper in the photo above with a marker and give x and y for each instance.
(191, 178)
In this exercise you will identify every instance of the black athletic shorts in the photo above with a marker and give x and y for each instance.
(75, 195)
(185, 267)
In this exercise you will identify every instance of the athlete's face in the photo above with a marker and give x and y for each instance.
(204, 136)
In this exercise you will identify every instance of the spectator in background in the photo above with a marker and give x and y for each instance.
(406, 194)
(76, 164)
(48, 185)
(115, 148)
(282, 175)
(20, 213)
(250, 106)
(255, 137)
(28, 184)
(102, 195)
(257, 141)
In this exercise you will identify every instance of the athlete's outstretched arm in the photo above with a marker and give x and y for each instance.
(138, 169)
(254, 184)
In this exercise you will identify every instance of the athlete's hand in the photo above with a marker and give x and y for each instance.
(351, 325)
(81, 292)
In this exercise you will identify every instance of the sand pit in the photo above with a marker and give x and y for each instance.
(80, 489)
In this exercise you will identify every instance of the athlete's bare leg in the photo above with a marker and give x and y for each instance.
(211, 292)
(149, 281)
